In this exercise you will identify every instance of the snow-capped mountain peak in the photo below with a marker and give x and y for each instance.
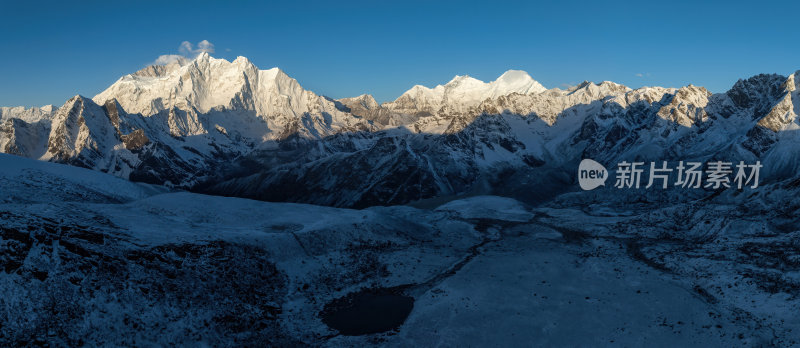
(792, 82)
(205, 83)
(463, 81)
(365, 101)
(27, 114)
(461, 93)
(183, 123)
(258, 104)
(515, 81)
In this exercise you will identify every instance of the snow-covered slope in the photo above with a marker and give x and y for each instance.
(528, 146)
(461, 93)
(206, 84)
(26, 181)
(455, 97)
(229, 128)
(24, 131)
(28, 115)
(173, 124)
(90, 259)
(365, 106)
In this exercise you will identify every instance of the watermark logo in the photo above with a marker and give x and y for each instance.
(711, 175)
(591, 174)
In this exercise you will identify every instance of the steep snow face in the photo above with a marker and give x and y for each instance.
(461, 93)
(81, 132)
(24, 139)
(367, 107)
(550, 104)
(782, 115)
(514, 81)
(232, 129)
(173, 124)
(24, 131)
(539, 138)
(206, 85)
(364, 101)
(203, 83)
(28, 115)
(687, 107)
(458, 97)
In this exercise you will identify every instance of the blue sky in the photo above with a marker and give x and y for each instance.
(52, 51)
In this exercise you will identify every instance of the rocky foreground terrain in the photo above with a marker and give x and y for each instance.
(87, 258)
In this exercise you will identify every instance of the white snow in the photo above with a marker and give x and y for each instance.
(488, 207)
(463, 92)
(18, 172)
(521, 274)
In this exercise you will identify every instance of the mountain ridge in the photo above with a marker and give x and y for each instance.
(229, 128)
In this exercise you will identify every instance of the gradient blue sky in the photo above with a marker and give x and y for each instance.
(54, 50)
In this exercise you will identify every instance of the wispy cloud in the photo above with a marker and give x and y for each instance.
(643, 75)
(568, 85)
(187, 51)
(168, 58)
